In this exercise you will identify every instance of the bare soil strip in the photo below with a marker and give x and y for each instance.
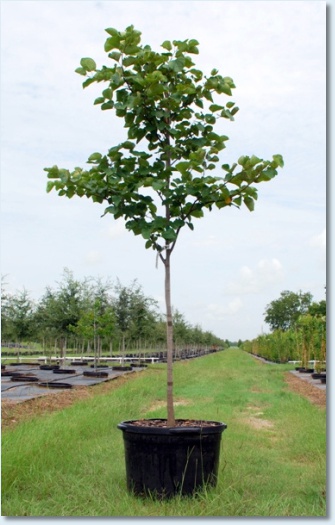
(313, 393)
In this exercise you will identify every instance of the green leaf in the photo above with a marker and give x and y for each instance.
(99, 100)
(53, 173)
(88, 64)
(167, 45)
(107, 105)
(215, 107)
(88, 82)
(95, 157)
(146, 234)
(193, 42)
(148, 244)
(112, 43)
(176, 65)
(128, 145)
(279, 160)
(50, 185)
(249, 202)
(242, 160)
(158, 185)
(115, 55)
(111, 31)
(197, 213)
(80, 71)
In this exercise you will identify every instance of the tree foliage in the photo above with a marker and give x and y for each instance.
(170, 105)
(91, 312)
(283, 313)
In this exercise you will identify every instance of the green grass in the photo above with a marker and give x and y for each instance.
(273, 455)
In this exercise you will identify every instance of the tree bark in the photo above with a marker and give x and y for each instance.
(169, 339)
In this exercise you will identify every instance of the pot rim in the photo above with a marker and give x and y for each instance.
(128, 426)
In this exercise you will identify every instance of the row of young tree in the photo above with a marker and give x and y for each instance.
(298, 327)
(93, 315)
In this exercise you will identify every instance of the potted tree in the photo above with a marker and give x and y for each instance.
(171, 107)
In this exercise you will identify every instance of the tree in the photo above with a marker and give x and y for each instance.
(283, 313)
(59, 310)
(17, 315)
(318, 309)
(133, 312)
(171, 106)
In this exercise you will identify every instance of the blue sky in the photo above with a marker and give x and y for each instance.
(235, 262)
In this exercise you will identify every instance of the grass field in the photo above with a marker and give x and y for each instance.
(273, 456)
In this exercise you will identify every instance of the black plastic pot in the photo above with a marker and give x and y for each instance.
(51, 384)
(98, 373)
(318, 375)
(139, 365)
(49, 367)
(63, 371)
(120, 368)
(27, 379)
(165, 461)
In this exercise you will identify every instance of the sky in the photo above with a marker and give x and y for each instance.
(225, 272)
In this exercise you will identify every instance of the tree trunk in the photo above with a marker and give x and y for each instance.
(123, 348)
(169, 339)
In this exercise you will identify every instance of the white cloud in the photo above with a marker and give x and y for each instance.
(93, 257)
(220, 312)
(319, 241)
(116, 229)
(211, 240)
(266, 273)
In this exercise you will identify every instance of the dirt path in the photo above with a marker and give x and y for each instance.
(315, 395)
(13, 413)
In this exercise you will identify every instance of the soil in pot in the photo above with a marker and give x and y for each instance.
(162, 461)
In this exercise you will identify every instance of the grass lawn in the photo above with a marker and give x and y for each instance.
(273, 456)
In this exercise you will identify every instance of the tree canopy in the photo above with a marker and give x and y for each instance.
(170, 106)
(283, 313)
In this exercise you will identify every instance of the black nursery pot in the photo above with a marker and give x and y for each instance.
(165, 461)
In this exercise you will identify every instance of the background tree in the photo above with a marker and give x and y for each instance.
(318, 309)
(283, 313)
(133, 312)
(17, 316)
(170, 105)
(59, 310)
